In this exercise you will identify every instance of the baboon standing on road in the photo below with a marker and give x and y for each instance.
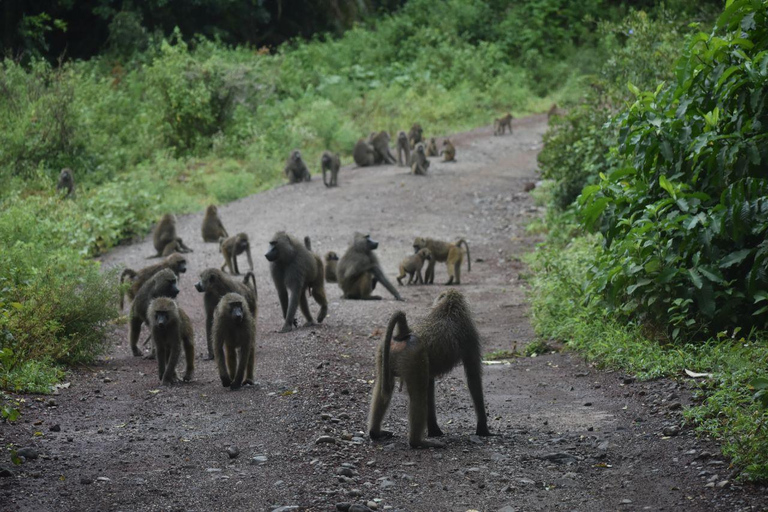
(359, 270)
(231, 248)
(175, 262)
(171, 333)
(403, 148)
(502, 124)
(443, 252)
(413, 265)
(234, 341)
(330, 162)
(162, 284)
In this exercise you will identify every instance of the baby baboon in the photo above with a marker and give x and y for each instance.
(415, 135)
(330, 162)
(363, 153)
(359, 270)
(164, 238)
(295, 169)
(501, 125)
(419, 162)
(331, 259)
(66, 182)
(171, 331)
(445, 338)
(448, 152)
(234, 334)
(432, 147)
(213, 228)
(412, 265)
(296, 270)
(403, 148)
(175, 262)
(162, 284)
(215, 284)
(381, 152)
(443, 251)
(231, 248)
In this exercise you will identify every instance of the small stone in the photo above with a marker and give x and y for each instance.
(559, 458)
(233, 452)
(325, 439)
(626, 502)
(587, 404)
(55, 428)
(51, 403)
(372, 505)
(86, 481)
(475, 439)
(590, 429)
(710, 485)
(674, 406)
(107, 380)
(286, 508)
(526, 481)
(259, 459)
(628, 380)
(28, 453)
(325, 416)
(722, 484)
(507, 508)
(386, 484)
(671, 431)
(346, 472)
(103, 479)
(354, 493)
(213, 470)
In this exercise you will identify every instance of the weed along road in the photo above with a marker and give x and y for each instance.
(567, 436)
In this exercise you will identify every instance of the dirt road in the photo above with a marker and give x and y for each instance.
(569, 437)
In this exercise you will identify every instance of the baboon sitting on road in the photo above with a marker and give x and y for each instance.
(213, 228)
(419, 162)
(363, 154)
(448, 152)
(165, 239)
(171, 332)
(359, 270)
(431, 149)
(415, 135)
(234, 341)
(295, 169)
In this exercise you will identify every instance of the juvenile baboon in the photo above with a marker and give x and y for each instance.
(162, 284)
(403, 148)
(363, 154)
(330, 162)
(233, 247)
(295, 169)
(413, 265)
(359, 270)
(448, 152)
(419, 162)
(331, 259)
(415, 135)
(164, 238)
(175, 262)
(215, 284)
(381, 152)
(445, 338)
(213, 229)
(66, 182)
(446, 252)
(432, 147)
(171, 332)
(234, 341)
(501, 125)
(296, 269)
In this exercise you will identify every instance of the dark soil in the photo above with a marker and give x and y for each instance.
(569, 437)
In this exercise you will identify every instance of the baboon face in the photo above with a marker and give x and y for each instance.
(364, 243)
(236, 311)
(66, 175)
(420, 148)
(446, 142)
(166, 283)
(331, 256)
(212, 210)
(432, 140)
(326, 160)
(242, 243)
(402, 137)
(178, 263)
(279, 247)
(418, 244)
(296, 155)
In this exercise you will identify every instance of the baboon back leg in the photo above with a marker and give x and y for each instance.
(172, 356)
(379, 405)
(135, 330)
(251, 361)
(208, 333)
(290, 314)
(457, 272)
(245, 355)
(410, 278)
(418, 389)
(189, 355)
(234, 263)
(222, 364)
(473, 371)
(433, 430)
(318, 293)
(161, 360)
(304, 305)
(231, 356)
(429, 276)
(419, 278)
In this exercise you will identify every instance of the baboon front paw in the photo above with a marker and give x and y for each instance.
(484, 432)
(249, 382)
(381, 434)
(226, 382)
(428, 444)
(136, 352)
(187, 377)
(235, 386)
(286, 328)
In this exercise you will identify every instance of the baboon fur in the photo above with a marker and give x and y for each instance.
(234, 341)
(331, 260)
(446, 252)
(295, 169)
(175, 262)
(359, 270)
(363, 154)
(231, 248)
(66, 182)
(381, 152)
(445, 338)
(432, 147)
(330, 162)
(164, 238)
(415, 135)
(215, 284)
(162, 284)
(501, 125)
(419, 162)
(296, 271)
(213, 229)
(172, 332)
(403, 148)
(448, 152)
(413, 265)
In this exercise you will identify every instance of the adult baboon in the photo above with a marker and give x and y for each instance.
(419, 162)
(66, 182)
(215, 284)
(381, 152)
(432, 147)
(233, 247)
(171, 332)
(413, 265)
(331, 259)
(448, 152)
(213, 229)
(296, 270)
(234, 334)
(415, 135)
(445, 338)
(359, 270)
(330, 162)
(162, 284)
(164, 238)
(295, 169)
(501, 125)
(403, 148)
(175, 262)
(363, 154)
(446, 252)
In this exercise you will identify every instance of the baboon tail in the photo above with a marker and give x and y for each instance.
(250, 275)
(308, 243)
(126, 273)
(398, 319)
(469, 260)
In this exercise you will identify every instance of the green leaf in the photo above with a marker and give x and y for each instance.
(666, 185)
(735, 258)
(695, 278)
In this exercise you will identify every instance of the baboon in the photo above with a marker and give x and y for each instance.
(164, 238)
(234, 333)
(554, 111)
(213, 229)
(450, 253)
(297, 270)
(445, 338)
(415, 135)
(381, 152)
(359, 270)
(501, 125)
(363, 154)
(413, 265)
(419, 162)
(231, 248)
(66, 182)
(432, 147)
(330, 162)
(162, 284)
(215, 284)
(175, 262)
(448, 151)
(171, 330)
(403, 148)
(331, 259)
(295, 169)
